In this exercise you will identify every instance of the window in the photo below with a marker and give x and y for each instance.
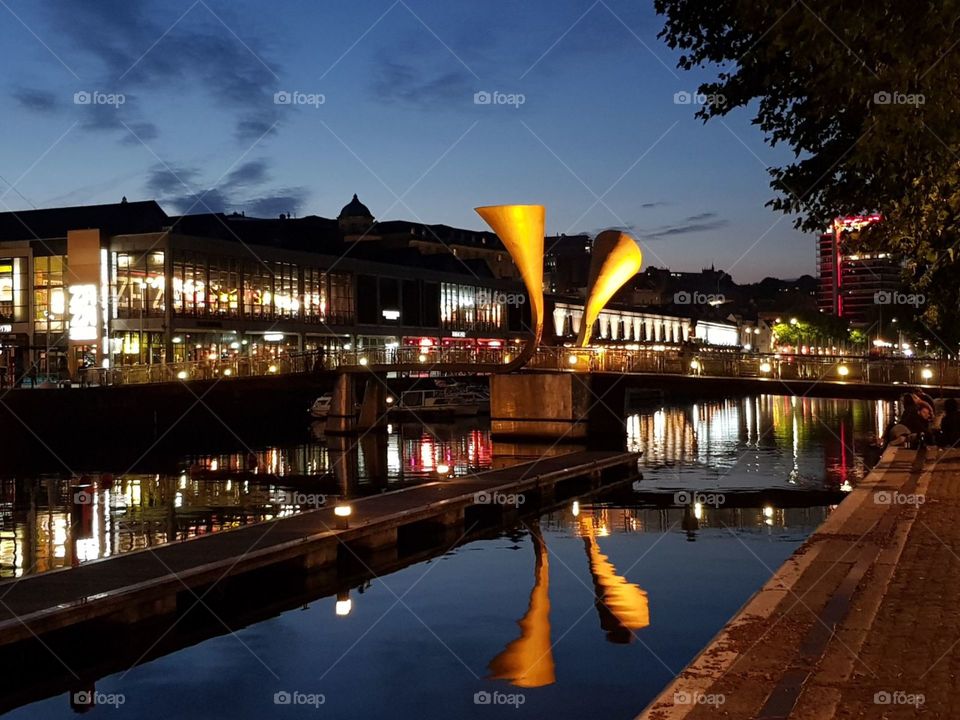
(49, 298)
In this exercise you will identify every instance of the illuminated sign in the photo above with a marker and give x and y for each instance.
(459, 333)
(6, 328)
(391, 314)
(83, 312)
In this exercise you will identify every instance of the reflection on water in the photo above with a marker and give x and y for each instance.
(760, 442)
(528, 660)
(54, 522)
(623, 607)
(765, 441)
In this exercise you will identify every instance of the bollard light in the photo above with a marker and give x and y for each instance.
(572, 359)
(343, 513)
(272, 369)
(843, 371)
(389, 400)
(765, 367)
(228, 372)
(422, 358)
(926, 373)
(182, 375)
(694, 364)
(363, 361)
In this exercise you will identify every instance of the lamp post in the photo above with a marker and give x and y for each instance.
(143, 292)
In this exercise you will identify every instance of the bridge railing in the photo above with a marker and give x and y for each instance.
(673, 361)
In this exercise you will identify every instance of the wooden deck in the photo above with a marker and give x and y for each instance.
(861, 622)
(143, 583)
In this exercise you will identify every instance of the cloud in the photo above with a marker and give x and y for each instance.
(414, 83)
(701, 222)
(141, 46)
(289, 200)
(654, 204)
(253, 172)
(244, 189)
(36, 100)
(163, 180)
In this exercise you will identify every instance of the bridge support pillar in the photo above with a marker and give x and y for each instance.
(559, 407)
(373, 411)
(342, 418)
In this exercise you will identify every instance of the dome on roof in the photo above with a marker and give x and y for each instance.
(356, 209)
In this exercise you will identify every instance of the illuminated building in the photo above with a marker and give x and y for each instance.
(850, 281)
(126, 284)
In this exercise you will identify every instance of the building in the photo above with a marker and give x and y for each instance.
(852, 284)
(125, 283)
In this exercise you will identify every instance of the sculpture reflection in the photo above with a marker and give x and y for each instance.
(528, 660)
(622, 606)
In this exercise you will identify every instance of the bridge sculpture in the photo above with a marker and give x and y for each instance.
(616, 258)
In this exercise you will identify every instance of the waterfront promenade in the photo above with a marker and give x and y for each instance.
(861, 622)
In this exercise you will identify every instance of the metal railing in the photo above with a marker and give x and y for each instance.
(689, 362)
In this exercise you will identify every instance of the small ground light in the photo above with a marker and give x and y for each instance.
(182, 375)
(843, 371)
(926, 374)
(575, 509)
(572, 359)
(389, 400)
(363, 361)
(765, 367)
(343, 513)
(422, 358)
(694, 364)
(272, 369)
(228, 372)
(443, 468)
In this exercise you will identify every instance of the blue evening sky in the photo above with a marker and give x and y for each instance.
(598, 138)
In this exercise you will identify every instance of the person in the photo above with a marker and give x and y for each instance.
(916, 415)
(950, 424)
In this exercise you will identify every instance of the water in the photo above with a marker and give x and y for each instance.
(515, 618)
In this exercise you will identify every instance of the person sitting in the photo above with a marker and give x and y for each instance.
(917, 414)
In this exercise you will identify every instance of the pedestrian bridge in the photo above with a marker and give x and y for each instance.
(655, 359)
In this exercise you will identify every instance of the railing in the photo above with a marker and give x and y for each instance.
(690, 362)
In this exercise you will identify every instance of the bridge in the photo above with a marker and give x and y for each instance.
(656, 359)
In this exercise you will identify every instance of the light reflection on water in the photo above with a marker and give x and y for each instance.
(765, 441)
(600, 606)
(768, 441)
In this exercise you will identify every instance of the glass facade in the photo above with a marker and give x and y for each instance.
(13, 298)
(138, 287)
(49, 294)
(470, 308)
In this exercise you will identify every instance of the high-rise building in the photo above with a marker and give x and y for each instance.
(852, 283)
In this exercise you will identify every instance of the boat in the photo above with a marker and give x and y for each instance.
(445, 402)
(321, 406)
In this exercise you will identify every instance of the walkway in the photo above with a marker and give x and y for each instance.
(862, 622)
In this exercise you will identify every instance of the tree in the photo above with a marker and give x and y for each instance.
(864, 93)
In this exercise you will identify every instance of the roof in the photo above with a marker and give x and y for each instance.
(355, 208)
(125, 218)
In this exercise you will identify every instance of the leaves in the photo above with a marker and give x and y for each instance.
(864, 93)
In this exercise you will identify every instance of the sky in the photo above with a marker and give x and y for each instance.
(424, 108)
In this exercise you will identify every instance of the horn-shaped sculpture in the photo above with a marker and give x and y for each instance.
(520, 228)
(615, 259)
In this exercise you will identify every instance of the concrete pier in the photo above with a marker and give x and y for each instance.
(861, 622)
(564, 407)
